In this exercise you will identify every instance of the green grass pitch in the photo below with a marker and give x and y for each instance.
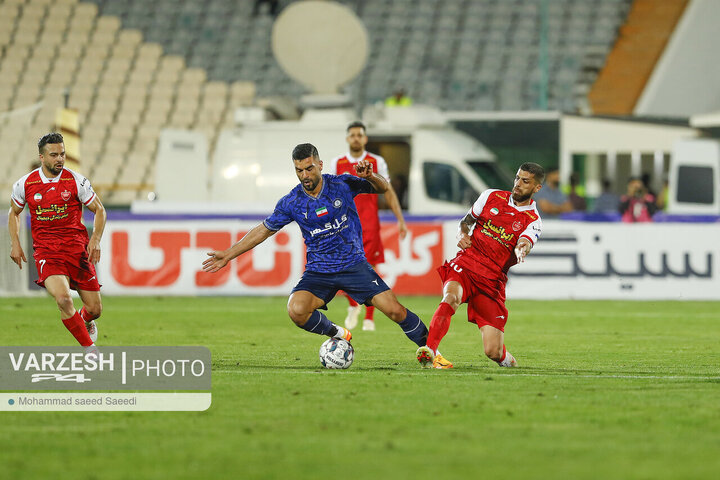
(605, 390)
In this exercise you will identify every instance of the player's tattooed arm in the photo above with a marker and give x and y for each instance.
(364, 170)
(218, 259)
(465, 230)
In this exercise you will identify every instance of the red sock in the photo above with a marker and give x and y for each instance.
(76, 326)
(439, 325)
(85, 315)
(369, 312)
(502, 359)
(352, 302)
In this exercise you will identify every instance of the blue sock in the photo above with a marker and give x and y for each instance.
(415, 329)
(319, 323)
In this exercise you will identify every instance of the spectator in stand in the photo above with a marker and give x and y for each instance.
(550, 200)
(607, 201)
(638, 205)
(576, 197)
(272, 7)
(398, 99)
(662, 199)
(647, 182)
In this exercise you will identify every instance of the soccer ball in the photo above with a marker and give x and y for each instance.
(336, 353)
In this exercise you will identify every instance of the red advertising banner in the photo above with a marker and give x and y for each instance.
(165, 258)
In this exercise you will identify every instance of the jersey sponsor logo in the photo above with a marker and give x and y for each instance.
(337, 203)
(321, 212)
(65, 195)
(33, 182)
(338, 224)
(517, 226)
(497, 233)
(494, 211)
(37, 197)
(58, 212)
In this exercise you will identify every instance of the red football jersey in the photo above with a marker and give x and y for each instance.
(500, 225)
(55, 206)
(366, 203)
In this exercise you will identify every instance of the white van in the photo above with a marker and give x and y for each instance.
(694, 177)
(251, 168)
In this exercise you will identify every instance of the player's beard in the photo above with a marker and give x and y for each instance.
(55, 169)
(519, 198)
(310, 186)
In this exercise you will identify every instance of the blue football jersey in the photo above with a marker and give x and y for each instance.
(329, 223)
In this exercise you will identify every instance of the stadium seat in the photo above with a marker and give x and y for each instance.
(451, 53)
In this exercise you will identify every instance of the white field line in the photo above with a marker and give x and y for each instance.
(483, 373)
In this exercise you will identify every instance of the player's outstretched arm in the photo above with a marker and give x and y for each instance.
(16, 252)
(253, 238)
(464, 238)
(522, 249)
(364, 170)
(394, 203)
(93, 247)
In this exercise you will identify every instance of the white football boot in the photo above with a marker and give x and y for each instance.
(92, 351)
(92, 330)
(351, 321)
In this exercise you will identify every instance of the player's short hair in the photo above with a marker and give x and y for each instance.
(305, 150)
(53, 137)
(356, 124)
(535, 169)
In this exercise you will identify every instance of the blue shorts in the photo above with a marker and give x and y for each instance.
(361, 282)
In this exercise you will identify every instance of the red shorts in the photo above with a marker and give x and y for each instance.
(485, 299)
(374, 251)
(77, 268)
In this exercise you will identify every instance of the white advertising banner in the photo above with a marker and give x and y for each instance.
(572, 260)
(664, 261)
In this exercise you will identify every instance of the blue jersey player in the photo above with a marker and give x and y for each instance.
(323, 207)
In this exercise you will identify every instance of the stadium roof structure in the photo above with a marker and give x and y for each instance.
(706, 120)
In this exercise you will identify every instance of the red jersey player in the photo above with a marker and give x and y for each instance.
(64, 255)
(367, 208)
(498, 232)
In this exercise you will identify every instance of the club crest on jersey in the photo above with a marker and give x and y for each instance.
(321, 212)
(65, 195)
(494, 211)
(337, 203)
(37, 197)
(517, 225)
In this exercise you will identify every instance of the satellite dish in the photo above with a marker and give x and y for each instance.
(321, 44)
